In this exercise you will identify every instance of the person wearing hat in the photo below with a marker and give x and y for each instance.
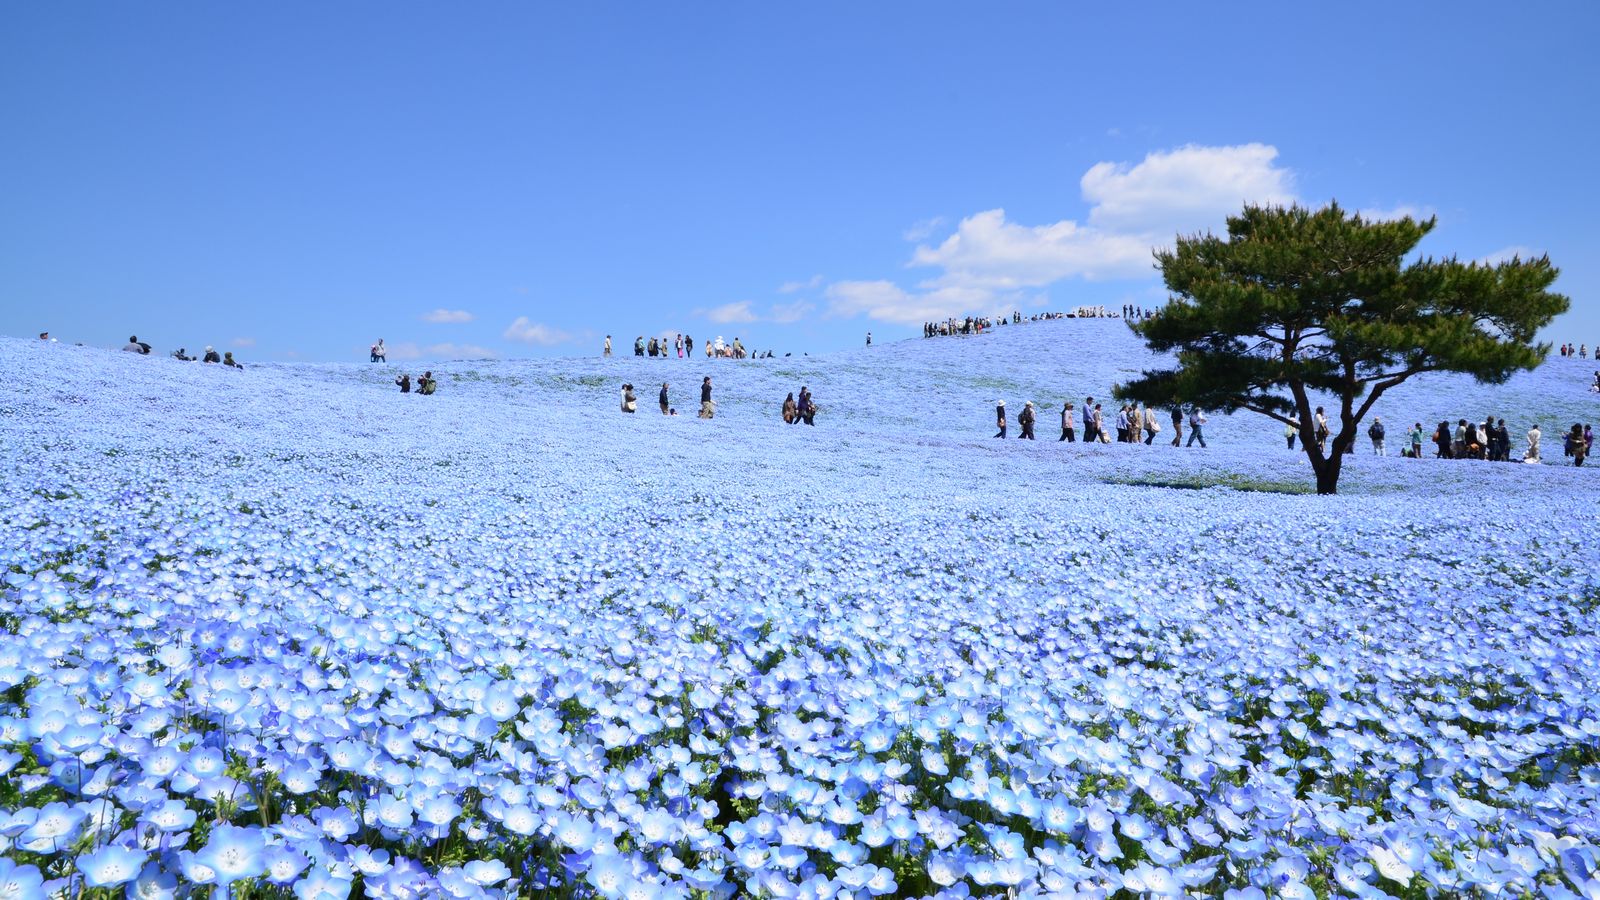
(212, 356)
(1067, 432)
(1025, 419)
(1000, 417)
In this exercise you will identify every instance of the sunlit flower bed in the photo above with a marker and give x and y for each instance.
(504, 661)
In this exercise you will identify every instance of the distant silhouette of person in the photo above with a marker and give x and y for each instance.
(608, 346)
(228, 360)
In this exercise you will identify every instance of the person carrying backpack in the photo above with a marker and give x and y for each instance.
(1025, 420)
(1197, 420)
(426, 385)
(1376, 432)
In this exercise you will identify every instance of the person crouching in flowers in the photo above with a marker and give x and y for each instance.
(405, 383)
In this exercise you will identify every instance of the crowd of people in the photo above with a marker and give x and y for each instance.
(1132, 424)
(981, 324)
(134, 345)
(804, 409)
(682, 346)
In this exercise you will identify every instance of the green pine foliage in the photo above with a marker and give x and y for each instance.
(1293, 303)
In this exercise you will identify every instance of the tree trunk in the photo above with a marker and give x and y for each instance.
(1328, 473)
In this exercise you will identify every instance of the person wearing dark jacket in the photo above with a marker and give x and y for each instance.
(806, 408)
(212, 356)
(1025, 419)
(405, 383)
(707, 408)
(228, 360)
(1000, 418)
(665, 406)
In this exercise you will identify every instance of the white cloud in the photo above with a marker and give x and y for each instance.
(789, 313)
(243, 342)
(790, 287)
(1133, 210)
(988, 251)
(729, 313)
(1185, 190)
(530, 332)
(1507, 254)
(443, 316)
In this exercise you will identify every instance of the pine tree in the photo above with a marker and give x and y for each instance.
(1295, 302)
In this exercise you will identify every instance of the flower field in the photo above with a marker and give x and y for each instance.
(286, 632)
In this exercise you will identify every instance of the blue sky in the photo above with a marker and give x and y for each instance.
(293, 181)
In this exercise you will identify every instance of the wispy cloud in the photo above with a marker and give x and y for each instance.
(729, 313)
(789, 313)
(1507, 254)
(1393, 213)
(921, 231)
(444, 316)
(243, 342)
(409, 350)
(790, 287)
(529, 332)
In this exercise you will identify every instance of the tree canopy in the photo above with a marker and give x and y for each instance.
(1295, 303)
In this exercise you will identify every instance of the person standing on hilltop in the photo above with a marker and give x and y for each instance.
(869, 339)
(688, 346)
(1000, 417)
(677, 344)
(1090, 434)
(638, 345)
(607, 353)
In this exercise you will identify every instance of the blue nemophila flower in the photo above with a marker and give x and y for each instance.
(111, 865)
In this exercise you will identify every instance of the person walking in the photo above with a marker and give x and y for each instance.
(1100, 425)
(790, 410)
(1290, 429)
(1151, 426)
(1090, 429)
(1197, 420)
(1177, 426)
(1375, 431)
(607, 353)
(1000, 418)
(1025, 420)
(665, 406)
(677, 344)
(1580, 447)
(1415, 439)
(1122, 424)
(1067, 431)
(807, 407)
(707, 408)
(688, 346)
(638, 345)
